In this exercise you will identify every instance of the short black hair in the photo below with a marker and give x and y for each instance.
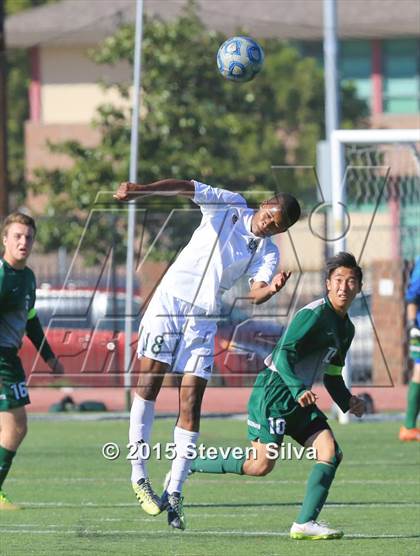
(343, 259)
(288, 205)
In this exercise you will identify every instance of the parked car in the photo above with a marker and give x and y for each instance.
(85, 329)
(241, 345)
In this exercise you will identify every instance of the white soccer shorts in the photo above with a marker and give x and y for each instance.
(177, 333)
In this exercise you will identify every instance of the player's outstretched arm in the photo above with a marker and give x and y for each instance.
(127, 190)
(261, 292)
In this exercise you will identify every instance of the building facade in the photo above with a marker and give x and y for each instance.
(379, 53)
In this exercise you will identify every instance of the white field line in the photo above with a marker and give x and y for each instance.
(220, 505)
(200, 480)
(91, 532)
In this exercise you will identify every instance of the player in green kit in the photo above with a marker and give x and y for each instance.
(282, 402)
(17, 316)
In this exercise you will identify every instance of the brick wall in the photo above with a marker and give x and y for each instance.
(388, 313)
(395, 121)
(37, 153)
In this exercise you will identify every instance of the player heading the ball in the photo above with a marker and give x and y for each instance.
(178, 328)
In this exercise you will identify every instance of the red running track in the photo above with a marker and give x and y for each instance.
(216, 400)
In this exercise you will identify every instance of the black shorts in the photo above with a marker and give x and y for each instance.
(314, 426)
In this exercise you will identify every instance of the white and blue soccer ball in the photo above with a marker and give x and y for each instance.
(240, 59)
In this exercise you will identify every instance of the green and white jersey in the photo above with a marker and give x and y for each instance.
(315, 342)
(17, 300)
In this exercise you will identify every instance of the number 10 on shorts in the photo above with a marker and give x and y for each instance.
(277, 426)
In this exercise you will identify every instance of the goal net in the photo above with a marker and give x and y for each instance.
(375, 178)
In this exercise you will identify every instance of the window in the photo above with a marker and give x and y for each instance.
(401, 76)
(355, 66)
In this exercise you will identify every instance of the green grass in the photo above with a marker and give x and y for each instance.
(78, 503)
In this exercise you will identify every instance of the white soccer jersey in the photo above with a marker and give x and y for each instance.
(221, 250)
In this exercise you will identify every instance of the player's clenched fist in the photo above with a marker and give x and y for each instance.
(279, 281)
(357, 406)
(307, 398)
(126, 191)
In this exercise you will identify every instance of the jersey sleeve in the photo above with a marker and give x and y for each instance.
(338, 361)
(35, 333)
(333, 378)
(264, 264)
(338, 390)
(210, 199)
(290, 347)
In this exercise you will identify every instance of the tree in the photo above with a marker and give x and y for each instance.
(18, 105)
(194, 124)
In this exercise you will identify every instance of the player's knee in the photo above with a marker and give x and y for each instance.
(258, 468)
(189, 415)
(265, 468)
(325, 455)
(148, 388)
(14, 435)
(191, 405)
(21, 430)
(335, 457)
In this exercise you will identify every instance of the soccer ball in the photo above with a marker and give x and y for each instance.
(240, 59)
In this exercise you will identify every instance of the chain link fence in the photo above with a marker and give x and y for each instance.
(383, 201)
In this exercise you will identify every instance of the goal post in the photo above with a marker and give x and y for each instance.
(338, 141)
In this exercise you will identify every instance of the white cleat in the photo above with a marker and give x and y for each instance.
(313, 531)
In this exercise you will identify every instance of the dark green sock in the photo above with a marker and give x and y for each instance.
(319, 482)
(413, 405)
(219, 465)
(6, 457)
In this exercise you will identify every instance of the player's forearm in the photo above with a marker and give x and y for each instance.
(261, 291)
(167, 187)
(36, 335)
(338, 391)
(261, 295)
(411, 312)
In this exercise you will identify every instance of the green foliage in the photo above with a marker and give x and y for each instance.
(15, 6)
(18, 72)
(194, 124)
(18, 110)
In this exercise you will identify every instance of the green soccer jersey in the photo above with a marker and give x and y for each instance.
(17, 300)
(315, 342)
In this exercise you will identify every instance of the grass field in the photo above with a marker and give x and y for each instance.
(78, 503)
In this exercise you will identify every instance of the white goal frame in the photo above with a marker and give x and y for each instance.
(338, 139)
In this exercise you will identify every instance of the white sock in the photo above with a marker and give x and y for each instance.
(184, 440)
(141, 420)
